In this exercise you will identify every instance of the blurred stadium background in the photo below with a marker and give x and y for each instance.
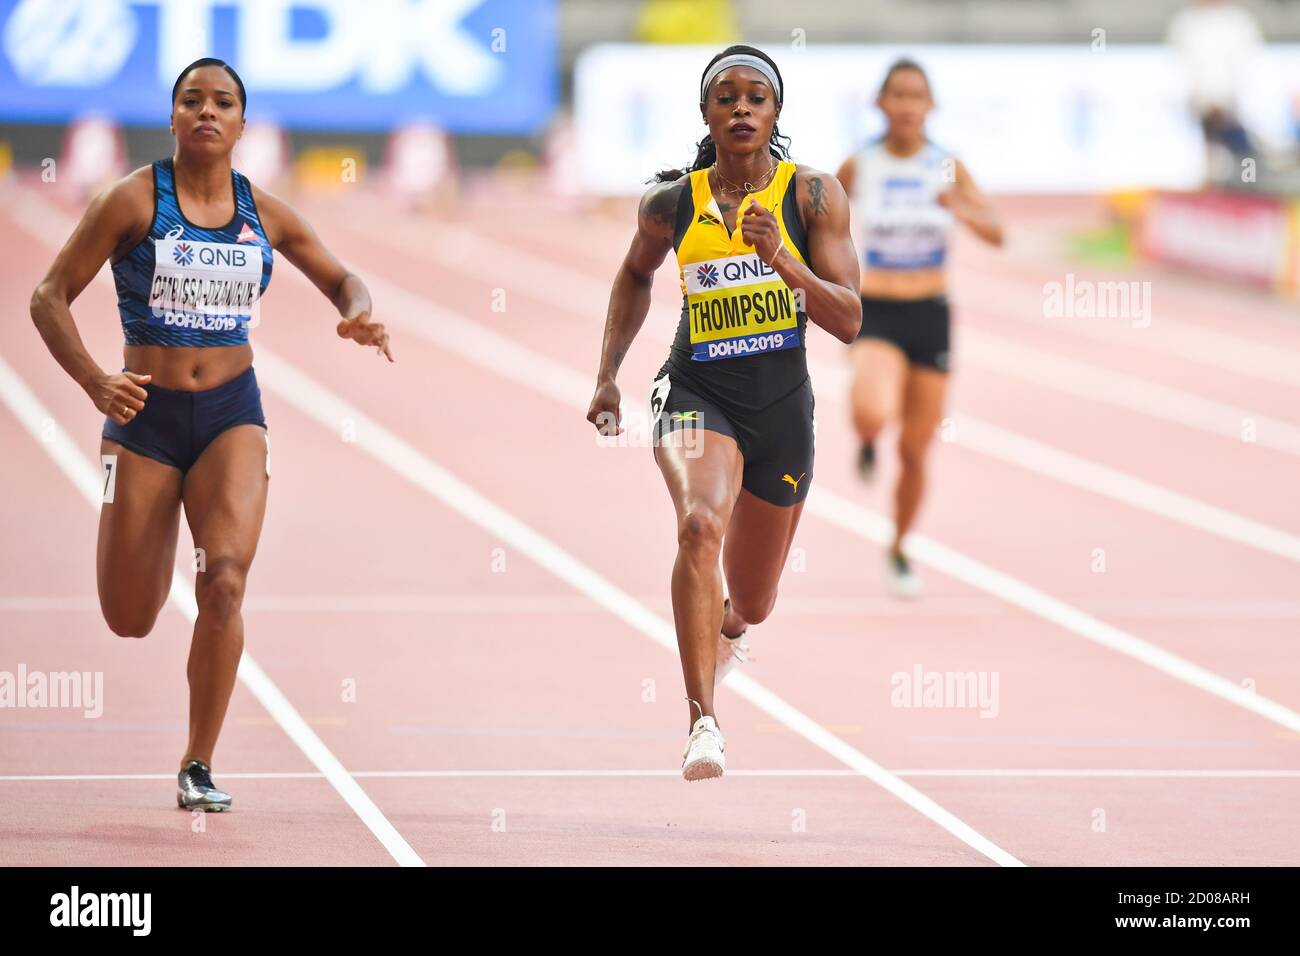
(1083, 98)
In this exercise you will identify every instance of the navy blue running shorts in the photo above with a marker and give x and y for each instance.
(174, 427)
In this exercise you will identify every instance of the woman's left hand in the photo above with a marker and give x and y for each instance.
(364, 332)
(759, 228)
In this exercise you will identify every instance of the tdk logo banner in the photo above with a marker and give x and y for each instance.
(484, 66)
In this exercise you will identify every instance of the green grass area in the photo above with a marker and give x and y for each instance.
(1109, 246)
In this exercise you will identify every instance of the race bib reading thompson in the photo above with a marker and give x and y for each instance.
(738, 306)
(204, 285)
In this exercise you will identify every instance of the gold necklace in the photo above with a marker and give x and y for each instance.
(748, 187)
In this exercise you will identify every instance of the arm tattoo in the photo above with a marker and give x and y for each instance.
(816, 196)
(662, 207)
(618, 359)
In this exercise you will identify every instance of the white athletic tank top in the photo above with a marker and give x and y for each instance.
(896, 217)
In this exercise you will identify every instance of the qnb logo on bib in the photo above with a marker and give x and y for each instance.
(738, 306)
(729, 273)
(209, 286)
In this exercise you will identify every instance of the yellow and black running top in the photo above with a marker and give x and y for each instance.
(741, 335)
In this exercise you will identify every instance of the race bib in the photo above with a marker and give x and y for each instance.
(906, 228)
(738, 306)
(659, 397)
(210, 286)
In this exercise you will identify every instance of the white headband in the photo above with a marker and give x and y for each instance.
(741, 59)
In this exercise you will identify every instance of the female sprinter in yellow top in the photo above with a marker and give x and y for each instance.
(905, 193)
(190, 242)
(762, 246)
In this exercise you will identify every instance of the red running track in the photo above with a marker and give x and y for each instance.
(445, 537)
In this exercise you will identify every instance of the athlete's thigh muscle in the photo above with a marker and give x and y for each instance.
(879, 374)
(755, 549)
(225, 499)
(137, 538)
(703, 475)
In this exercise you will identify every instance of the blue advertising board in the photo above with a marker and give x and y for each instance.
(471, 66)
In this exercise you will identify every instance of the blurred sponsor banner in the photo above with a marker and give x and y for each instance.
(1024, 118)
(1231, 235)
(480, 66)
(1291, 265)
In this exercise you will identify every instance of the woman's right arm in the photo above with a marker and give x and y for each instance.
(629, 300)
(847, 174)
(114, 219)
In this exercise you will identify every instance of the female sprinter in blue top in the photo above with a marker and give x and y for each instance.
(190, 243)
(906, 192)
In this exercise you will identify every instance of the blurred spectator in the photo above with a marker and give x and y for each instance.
(687, 21)
(421, 168)
(1215, 39)
(93, 156)
(262, 154)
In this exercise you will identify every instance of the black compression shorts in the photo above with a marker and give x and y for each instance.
(776, 443)
(921, 328)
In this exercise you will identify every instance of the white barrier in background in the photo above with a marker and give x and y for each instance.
(1026, 118)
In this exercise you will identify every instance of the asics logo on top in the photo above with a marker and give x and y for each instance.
(183, 253)
(707, 275)
(794, 481)
(247, 235)
(685, 416)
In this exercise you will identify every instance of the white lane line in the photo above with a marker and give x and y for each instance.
(583, 401)
(54, 777)
(546, 280)
(674, 774)
(451, 332)
(328, 409)
(1009, 358)
(1164, 336)
(852, 517)
(1008, 446)
(865, 606)
(317, 402)
(1032, 455)
(1157, 774)
(554, 284)
(48, 602)
(85, 477)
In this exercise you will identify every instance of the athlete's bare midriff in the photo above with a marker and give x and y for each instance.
(187, 368)
(903, 284)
